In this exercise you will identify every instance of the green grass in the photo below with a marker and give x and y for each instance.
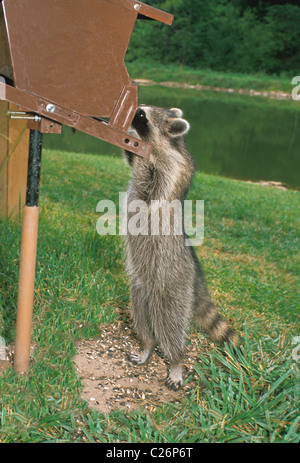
(184, 74)
(250, 258)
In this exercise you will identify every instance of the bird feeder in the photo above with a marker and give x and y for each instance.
(64, 65)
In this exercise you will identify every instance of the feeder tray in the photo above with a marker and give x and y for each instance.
(66, 60)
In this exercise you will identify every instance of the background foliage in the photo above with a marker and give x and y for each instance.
(239, 35)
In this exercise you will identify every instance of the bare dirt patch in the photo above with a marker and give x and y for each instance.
(110, 381)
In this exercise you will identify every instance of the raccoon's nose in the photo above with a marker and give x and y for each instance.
(139, 119)
(140, 113)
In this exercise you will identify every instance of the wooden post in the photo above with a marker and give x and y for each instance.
(14, 141)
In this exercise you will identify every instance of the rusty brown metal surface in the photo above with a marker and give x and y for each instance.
(71, 56)
(45, 126)
(98, 129)
(154, 13)
(5, 63)
(145, 10)
(125, 108)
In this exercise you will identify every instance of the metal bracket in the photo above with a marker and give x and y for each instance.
(96, 128)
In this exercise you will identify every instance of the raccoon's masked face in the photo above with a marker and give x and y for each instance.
(158, 125)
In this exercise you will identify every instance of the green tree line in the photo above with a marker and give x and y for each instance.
(247, 36)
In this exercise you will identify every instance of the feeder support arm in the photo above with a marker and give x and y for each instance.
(96, 128)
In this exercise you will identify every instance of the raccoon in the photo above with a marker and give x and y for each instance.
(168, 286)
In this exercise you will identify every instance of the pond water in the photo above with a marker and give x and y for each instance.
(236, 136)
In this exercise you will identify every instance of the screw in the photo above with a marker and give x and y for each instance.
(50, 108)
(137, 6)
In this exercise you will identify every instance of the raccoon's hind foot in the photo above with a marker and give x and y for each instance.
(139, 358)
(174, 385)
(175, 379)
(232, 338)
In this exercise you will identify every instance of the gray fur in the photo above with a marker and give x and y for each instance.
(168, 287)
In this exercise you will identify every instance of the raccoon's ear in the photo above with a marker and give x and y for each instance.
(178, 112)
(178, 127)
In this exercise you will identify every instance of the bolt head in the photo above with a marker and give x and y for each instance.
(50, 108)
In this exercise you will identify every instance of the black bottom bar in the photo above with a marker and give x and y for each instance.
(34, 168)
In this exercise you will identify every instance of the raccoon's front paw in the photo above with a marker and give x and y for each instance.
(174, 384)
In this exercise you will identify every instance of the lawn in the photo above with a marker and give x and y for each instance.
(250, 257)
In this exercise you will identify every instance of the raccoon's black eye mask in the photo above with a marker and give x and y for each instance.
(140, 123)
